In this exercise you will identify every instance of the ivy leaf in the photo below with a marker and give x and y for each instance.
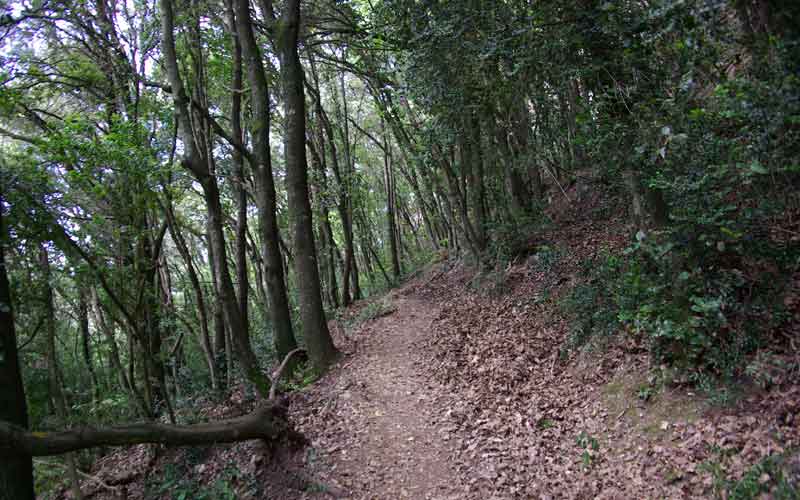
(757, 168)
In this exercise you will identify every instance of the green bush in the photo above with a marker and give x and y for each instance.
(704, 287)
(592, 305)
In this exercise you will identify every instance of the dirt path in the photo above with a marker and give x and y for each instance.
(375, 428)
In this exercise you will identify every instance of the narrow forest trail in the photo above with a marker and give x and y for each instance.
(376, 420)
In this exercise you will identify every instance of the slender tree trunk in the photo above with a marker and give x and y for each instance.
(424, 191)
(16, 471)
(341, 206)
(149, 332)
(350, 287)
(54, 377)
(83, 320)
(391, 215)
(200, 305)
(522, 144)
(194, 161)
(321, 350)
(347, 196)
(242, 284)
(477, 189)
(320, 184)
(264, 183)
(116, 360)
(518, 193)
(165, 286)
(459, 203)
(221, 359)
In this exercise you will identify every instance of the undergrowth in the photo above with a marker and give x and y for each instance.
(705, 288)
(772, 477)
(178, 482)
(704, 322)
(374, 310)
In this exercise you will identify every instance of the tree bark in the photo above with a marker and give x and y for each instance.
(54, 377)
(321, 350)
(347, 197)
(391, 215)
(202, 311)
(320, 185)
(194, 161)
(341, 206)
(242, 284)
(16, 472)
(265, 184)
(267, 422)
(477, 189)
(220, 346)
(83, 320)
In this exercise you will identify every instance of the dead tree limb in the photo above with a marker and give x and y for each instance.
(266, 422)
(276, 377)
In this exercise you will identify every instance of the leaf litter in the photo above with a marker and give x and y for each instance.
(464, 390)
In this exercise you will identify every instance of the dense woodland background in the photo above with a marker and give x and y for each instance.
(191, 189)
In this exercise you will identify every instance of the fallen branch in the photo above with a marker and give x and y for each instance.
(435, 276)
(266, 422)
(276, 376)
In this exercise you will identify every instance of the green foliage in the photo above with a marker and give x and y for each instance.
(48, 475)
(699, 320)
(303, 376)
(771, 476)
(510, 239)
(373, 310)
(703, 289)
(176, 483)
(645, 392)
(593, 304)
(768, 369)
(590, 446)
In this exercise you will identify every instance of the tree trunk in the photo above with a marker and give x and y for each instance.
(200, 306)
(16, 472)
(321, 350)
(517, 190)
(346, 201)
(343, 182)
(459, 203)
(194, 161)
(220, 356)
(391, 215)
(477, 190)
(267, 422)
(125, 382)
(265, 185)
(320, 184)
(148, 331)
(343, 191)
(54, 377)
(83, 320)
(242, 284)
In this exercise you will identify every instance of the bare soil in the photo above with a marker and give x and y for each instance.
(376, 423)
